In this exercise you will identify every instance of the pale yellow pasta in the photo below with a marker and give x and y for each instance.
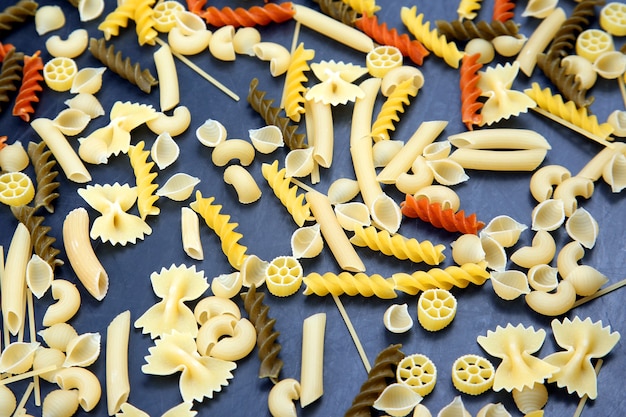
(221, 43)
(363, 162)
(467, 248)
(84, 381)
(227, 285)
(582, 70)
(117, 383)
(582, 227)
(128, 410)
(280, 400)
(45, 358)
(87, 103)
(553, 303)
(245, 186)
(334, 235)
(214, 306)
(226, 337)
(482, 47)
(595, 167)
(586, 280)
(175, 124)
(164, 14)
(73, 46)
(81, 255)
(299, 163)
(17, 357)
(397, 76)
(505, 229)
(278, 56)
(502, 138)
(62, 150)
(332, 28)
(14, 279)
(82, 350)
(572, 188)
(447, 172)
(8, 401)
(397, 399)
(190, 44)
(386, 213)
(352, 214)
(384, 150)
(397, 318)
(178, 187)
(39, 275)
(539, 40)
(59, 72)
(245, 40)
(507, 45)
(509, 284)
(71, 121)
(14, 158)
(363, 110)
(58, 336)
(342, 190)
(233, 149)
(168, 78)
(164, 150)
(90, 9)
(545, 178)
(491, 160)
(425, 134)
(88, 81)
(68, 302)
(181, 410)
(323, 136)
(266, 139)
(48, 18)
(312, 368)
(190, 228)
(441, 194)
(543, 277)
(60, 403)
(539, 8)
(541, 251)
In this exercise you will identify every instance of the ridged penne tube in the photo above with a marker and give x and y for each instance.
(68, 303)
(79, 251)
(445, 196)
(545, 179)
(312, 368)
(221, 43)
(191, 44)
(363, 110)
(278, 56)
(190, 228)
(14, 279)
(73, 46)
(332, 28)
(363, 162)
(553, 303)
(168, 78)
(280, 400)
(233, 149)
(336, 239)
(539, 40)
(425, 134)
(245, 186)
(245, 39)
(500, 139)
(490, 160)
(61, 149)
(175, 124)
(541, 251)
(323, 136)
(83, 380)
(117, 383)
(572, 188)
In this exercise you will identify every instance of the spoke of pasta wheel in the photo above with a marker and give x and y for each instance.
(202, 73)
(600, 293)
(1, 275)
(355, 337)
(583, 400)
(572, 126)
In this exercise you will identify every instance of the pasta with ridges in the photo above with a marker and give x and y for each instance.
(144, 179)
(465, 30)
(452, 276)
(395, 103)
(435, 214)
(42, 241)
(17, 13)
(293, 94)
(45, 174)
(10, 74)
(338, 10)
(253, 16)
(288, 195)
(468, 82)
(349, 284)
(31, 85)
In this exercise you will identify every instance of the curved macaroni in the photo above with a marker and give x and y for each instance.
(451, 276)
(226, 337)
(67, 305)
(82, 380)
(545, 178)
(221, 43)
(572, 188)
(191, 44)
(280, 400)
(541, 251)
(232, 149)
(175, 124)
(278, 56)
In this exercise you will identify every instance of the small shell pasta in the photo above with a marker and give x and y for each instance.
(73, 46)
(397, 318)
(49, 18)
(246, 187)
(178, 187)
(68, 303)
(87, 80)
(60, 403)
(82, 350)
(87, 103)
(58, 335)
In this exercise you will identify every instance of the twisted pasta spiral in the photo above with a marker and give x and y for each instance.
(567, 84)
(394, 104)
(287, 195)
(365, 7)
(293, 96)
(398, 245)
(565, 38)
(253, 16)
(144, 22)
(111, 24)
(338, 10)
(42, 241)
(143, 177)
(468, 9)
(266, 342)
(10, 74)
(31, 85)
(503, 10)
(45, 174)
(350, 284)
(452, 276)
(219, 223)
(17, 13)
(467, 29)
(441, 218)
(470, 105)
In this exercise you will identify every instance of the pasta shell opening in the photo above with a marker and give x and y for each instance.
(60, 403)
(493, 410)
(93, 150)
(447, 172)
(189, 22)
(539, 8)
(437, 150)
(586, 280)
(614, 173)
(58, 335)
(178, 187)
(299, 163)
(14, 158)
(505, 230)
(87, 103)
(82, 350)
(507, 45)
(227, 285)
(383, 151)
(253, 271)
(266, 139)
(343, 190)
(307, 242)
(164, 151)
(90, 9)
(211, 133)
(582, 227)
(39, 276)
(467, 249)
(531, 399)
(87, 81)
(543, 277)
(494, 253)
(548, 215)
(455, 409)
(509, 285)
(617, 120)
(610, 65)
(17, 357)
(71, 122)
(397, 318)
(48, 18)
(397, 400)
(581, 68)
(351, 214)
(386, 213)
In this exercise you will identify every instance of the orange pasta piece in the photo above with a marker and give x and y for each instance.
(470, 106)
(253, 16)
(4, 48)
(3, 140)
(196, 6)
(441, 218)
(503, 10)
(31, 85)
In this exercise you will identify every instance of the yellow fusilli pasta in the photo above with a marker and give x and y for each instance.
(219, 223)
(394, 104)
(398, 245)
(293, 94)
(452, 276)
(350, 284)
(287, 195)
(468, 9)
(111, 24)
(144, 22)
(432, 40)
(368, 7)
(144, 179)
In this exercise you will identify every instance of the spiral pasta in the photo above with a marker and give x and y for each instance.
(349, 284)
(268, 347)
(468, 82)
(394, 104)
(431, 39)
(287, 195)
(122, 66)
(565, 39)
(567, 84)
(385, 36)
(338, 10)
(568, 111)
(365, 7)
(503, 10)
(452, 276)
(31, 85)
(119, 17)
(225, 230)
(467, 29)
(42, 241)
(383, 371)
(468, 9)
(439, 217)
(270, 115)
(144, 22)
(144, 179)
(253, 16)
(45, 174)
(293, 94)
(17, 13)
(398, 245)
(10, 74)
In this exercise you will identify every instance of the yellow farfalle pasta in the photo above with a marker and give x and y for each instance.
(397, 245)
(287, 195)
(350, 284)
(431, 39)
(225, 230)
(568, 111)
(144, 179)
(293, 93)
(468, 9)
(452, 276)
(394, 104)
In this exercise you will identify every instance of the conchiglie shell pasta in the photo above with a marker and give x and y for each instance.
(617, 120)
(454, 409)
(582, 227)
(507, 45)
(531, 399)
(351, 214)
(539, 8)
(614, 173)
(548, 215)
(87, 103)
(49, 18)
(343, 190)
(90, 9)
(266, 139)
(397, 400)
(504, 229)
(299, 163)
(447, 172)
(494, 252)
(245, 39)
(87, 80)
(493, 410)
(543, 277)
(509, 285)
(397, 318)
(17, 357)
(13, 157)
(211, 133)
(45, 357)
(39, 275)
(541, 251)
(553, 304)
(8, 401)
(71, 122)
(93, 150)
(60, 403)
(307, 242)
(178, 187)
(467, 249)
(82, 350)
(437, 150)
(58, 335)
(253, 271)
(383, 151)
(227, 285)
(610, 65)
(386, 213)
(586, 280)
(164, 150)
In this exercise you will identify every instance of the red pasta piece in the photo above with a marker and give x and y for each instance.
(253, 16)
(503, 10)
(470, 92)
(3, 140)
(441, 218)
(31, 85)
(4, 48)
(384, 36)
(196, 6)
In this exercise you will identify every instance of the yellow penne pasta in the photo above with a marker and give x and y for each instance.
(14, 279)
(312, 369)
(168, 78)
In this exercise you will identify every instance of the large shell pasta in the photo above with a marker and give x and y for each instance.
(586, 280)
(178, 187)
(73, 46)
(67, 305)
(17, 357)
(82, 350)
(306, 242)
(397, 399)
(87, 103)
(582, 227)
(13, 157)
(87, 80)
(60, 403)
(543, 277)
(548, 215)
(39, 275)
(510, 284)
(58, 335)
(505, 229)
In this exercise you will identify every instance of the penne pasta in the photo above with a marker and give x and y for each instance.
(14, 280)
(500, 139)
(190, 227)
(323, 136)
(539, 40)
(117, 383)
(516, 160)
(312, 369)
(168, 78)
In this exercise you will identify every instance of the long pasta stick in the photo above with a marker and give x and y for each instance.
(296, 35)
(28, 374)
(23, 401)
(583, 400)
(352, 331)
(33, 337)
(201, 72)
(573, 127)
(600, 293)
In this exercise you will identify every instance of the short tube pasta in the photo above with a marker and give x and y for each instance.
(175, 124)
(499, 139)
(516, 160)
(539, 40)
(363, 110)
(14, 279)
(281, 397)
(323, 142)
(312, 368)
(73, 46)
(68, 302)
(363, 162)
(246, 187)
(168, 78)
(190, 227)
(117, 384)
(80, 253)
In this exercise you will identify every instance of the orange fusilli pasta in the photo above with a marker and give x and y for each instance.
(470, 106)
(31, 85)
(253, 16)
(441, 218)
